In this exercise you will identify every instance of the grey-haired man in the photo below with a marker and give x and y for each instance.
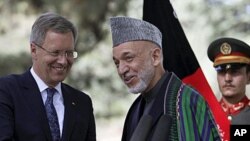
(137, 54)
(37, 105)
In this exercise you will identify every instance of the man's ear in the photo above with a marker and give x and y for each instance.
(33, 51)
(156, 56)
(248, 76)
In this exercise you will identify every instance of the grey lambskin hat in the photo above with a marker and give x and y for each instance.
(125, 29)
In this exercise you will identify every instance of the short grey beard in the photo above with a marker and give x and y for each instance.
(145, 78)
(138, 88)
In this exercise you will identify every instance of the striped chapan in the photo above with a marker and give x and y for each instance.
(193, 120)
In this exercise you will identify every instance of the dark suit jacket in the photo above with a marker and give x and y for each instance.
(155, 112)
(23, 116)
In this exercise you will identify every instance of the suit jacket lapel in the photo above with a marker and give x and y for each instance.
(33, 97)
(156, 111)
(70, 104)
(158, 107)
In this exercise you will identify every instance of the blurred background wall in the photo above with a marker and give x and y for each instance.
(94, 71)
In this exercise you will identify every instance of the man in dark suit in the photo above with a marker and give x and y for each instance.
(231, 60)
(36, 105)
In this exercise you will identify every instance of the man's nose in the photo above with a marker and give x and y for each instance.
(228, 77)
(62, 58)
(123, 68)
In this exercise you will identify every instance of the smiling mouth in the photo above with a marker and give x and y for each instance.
(128, 79)
(59, 69)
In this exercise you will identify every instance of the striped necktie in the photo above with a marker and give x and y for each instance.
(51, 115)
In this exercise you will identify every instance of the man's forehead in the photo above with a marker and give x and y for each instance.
(127, 46)
(133, 47)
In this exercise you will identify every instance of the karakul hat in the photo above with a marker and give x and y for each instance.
(125, 29)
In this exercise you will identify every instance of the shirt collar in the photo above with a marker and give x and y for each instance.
(40, 83)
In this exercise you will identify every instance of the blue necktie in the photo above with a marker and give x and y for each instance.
(51, 115)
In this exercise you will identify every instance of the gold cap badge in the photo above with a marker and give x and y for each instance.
(225, 49)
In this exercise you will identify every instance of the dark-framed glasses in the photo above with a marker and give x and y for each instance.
(68, 54)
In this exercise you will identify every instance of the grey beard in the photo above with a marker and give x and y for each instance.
(138, 88)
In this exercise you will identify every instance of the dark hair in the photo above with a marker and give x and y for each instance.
(248, 68)
(50, 21)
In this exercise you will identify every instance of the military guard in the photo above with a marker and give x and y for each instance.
(231, 58)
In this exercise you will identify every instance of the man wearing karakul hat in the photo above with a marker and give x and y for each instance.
(231, 59)
(137, 54)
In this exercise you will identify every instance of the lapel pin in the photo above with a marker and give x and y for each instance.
(73, 103)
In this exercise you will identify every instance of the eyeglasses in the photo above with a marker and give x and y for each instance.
(68, 54)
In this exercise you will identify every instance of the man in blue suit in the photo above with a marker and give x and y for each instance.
(36, 105)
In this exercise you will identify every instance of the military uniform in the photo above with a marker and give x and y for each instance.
(230, 53)
(238, 113)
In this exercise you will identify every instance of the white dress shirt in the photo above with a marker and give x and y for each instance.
(57, 99)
